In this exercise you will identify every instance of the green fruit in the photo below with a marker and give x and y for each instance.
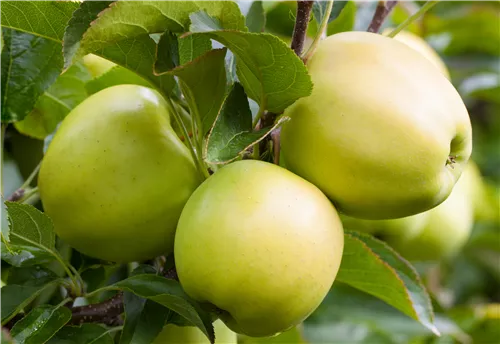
(261, 244)
(116, 177)
(292, 336)
(383, 134)
(448, 228)
(419, 44)
(96, 65)
(173, 334)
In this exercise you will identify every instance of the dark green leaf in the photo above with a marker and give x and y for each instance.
(170, 294)
(30, 64)
(23, 256)
(319, 10)
(345, 19)
(203, 83)
(144, 320)
(372, 266)
(84, 334)
(52, 107)
(272, 74)
(40, 324)
(45, 19)
(192, 47)
(256, 18)
(115, 76)
(167, 53)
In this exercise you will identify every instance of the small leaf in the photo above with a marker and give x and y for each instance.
(115, 76)
(167, 53)
(345, 19)
(319, 10)
(144, 320)
(232, 132)
(40, 324)
(23, 256)
(271, 73)
(203, 83)
(192, 47)
(84, 334)
(170, 294)
(30, 64)
(370, 265)
(256, 17)
(52, 107)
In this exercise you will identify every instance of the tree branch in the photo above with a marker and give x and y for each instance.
(106, 312)
(382, 11)
(300, 29)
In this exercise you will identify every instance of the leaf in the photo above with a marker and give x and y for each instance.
(192, 47)
(319, 10)
(271, 73)
(23, 256)
(22, 288)
(84, 334)
(144, 320)
(345, 19)
(52, 107)
(115, 76)
(134, 19)
(40, 324)
(170, 294)
(232, 132)
(30, 64)
(203, 83)
(45, 19)
(167, 53)
(370, 265)
(256, 17)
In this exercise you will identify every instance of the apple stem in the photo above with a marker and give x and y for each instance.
(382, 11)
(300, 29)
(320, 34)
(427, 6)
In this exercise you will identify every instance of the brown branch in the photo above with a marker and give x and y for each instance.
(276, 139)
(106, 312)
(300, 29)
(382, 11)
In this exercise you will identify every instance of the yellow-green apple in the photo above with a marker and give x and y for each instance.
(259, 243)
(383, 134)
(419, 44)
(116, 177)
(448, 227)
(173, 334)
(97, 65)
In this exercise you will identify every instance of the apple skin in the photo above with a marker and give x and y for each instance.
(97, 65)
(173, 334)
(419, 44)
(116, 177)
(378, 129)
(448, 228)
(261, 244)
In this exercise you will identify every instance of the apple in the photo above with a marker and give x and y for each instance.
(260, 244)
(448, 227)
(116, 177)
(419, 44)
(292, 336)
(383, 134)
(174, 334)
(97, 65)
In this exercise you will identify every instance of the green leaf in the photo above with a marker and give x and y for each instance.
(45, 19)
(30, 64)
(144, 320)
(370, 265)
(115, 76)
(345, 19)
(167, 53)
(232, 132)
(133, 19)
(23, 256)
(84, 334)
(271, 73)
(168, 293)
(203, 83)
(40, 324)
(24, 285)
(52, 107)
(256, 17)
(192, 47)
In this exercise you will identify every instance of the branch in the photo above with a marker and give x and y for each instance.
(300, 29)
(276, 139)
(106, 312)
(382, 11)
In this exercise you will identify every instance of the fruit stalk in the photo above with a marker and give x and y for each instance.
(427, 6)
(319, 34)
(382, 11)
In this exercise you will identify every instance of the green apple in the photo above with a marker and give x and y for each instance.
(448, 227)
(419, 44)
(173, 334)
(292, 336)
(116, 177)
(259, 243)
(97, 65)
(383, 134)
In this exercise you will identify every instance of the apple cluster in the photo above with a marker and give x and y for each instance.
(382, 140)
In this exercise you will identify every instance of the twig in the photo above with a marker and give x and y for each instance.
(106, 312)
(300, 29)
(276, 139)
(382, 11)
